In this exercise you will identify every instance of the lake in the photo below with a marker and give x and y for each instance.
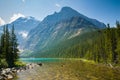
(38, 60)
(67, 69)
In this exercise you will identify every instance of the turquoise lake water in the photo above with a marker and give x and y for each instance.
(37, 60)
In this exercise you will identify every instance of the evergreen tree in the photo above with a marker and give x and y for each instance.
(14, 46)
(108, 46)
(3, 43)
(118, 41)
(8, 47)
(114, 43)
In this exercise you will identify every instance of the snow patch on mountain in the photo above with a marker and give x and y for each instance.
(23, 34)
(15, 17)
(2, 22)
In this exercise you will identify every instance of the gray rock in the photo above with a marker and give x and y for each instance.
(1, 78)
(9, 77)
(3, 71)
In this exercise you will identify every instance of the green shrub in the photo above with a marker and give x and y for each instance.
(19, 64)
(3, 63)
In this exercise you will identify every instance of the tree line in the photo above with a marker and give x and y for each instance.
(106, 48)
(102, 46)
(8, 47)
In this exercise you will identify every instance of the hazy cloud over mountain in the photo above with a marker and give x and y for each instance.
(2, 22)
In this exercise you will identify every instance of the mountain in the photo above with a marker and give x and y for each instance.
(57, 28)
(67, 13)
(22, 27)
(25, 23)
(76, 47)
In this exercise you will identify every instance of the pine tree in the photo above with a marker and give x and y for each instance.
(14, 46)
(8, 47)
(114, 43)
(3, 43)
(118, 41)
(108, 46)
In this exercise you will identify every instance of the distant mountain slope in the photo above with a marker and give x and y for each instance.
(22, 27)
(59, 27)
(67, 48)
(25, 23)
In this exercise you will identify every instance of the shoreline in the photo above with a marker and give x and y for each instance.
(11, 73)
(70, 70)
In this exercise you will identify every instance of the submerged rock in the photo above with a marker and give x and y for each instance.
(40, 64)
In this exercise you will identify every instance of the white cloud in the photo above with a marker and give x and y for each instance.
(16, 16)
(23, 0)
(2, 22)
(23, 34)
(57, 5)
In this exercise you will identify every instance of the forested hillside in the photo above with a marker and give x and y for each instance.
(100, 46)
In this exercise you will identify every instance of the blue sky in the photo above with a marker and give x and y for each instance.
(107, 11)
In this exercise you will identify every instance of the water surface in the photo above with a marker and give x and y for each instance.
(38, 60)
(67, 69)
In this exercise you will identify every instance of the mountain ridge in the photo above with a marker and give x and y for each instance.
(57, 27)
(67, 12)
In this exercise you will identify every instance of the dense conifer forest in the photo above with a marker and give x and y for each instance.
(8, 48)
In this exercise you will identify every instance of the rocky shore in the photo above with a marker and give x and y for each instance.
(10, 73)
